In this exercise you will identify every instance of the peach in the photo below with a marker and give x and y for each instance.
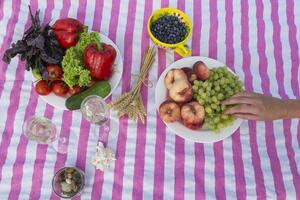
(192, 115)
(174, 75)
(191, 75)
(181, 91)
(169, 111)
(201, 70)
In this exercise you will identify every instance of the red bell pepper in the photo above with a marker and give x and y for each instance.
(100, 62)
(66, 31)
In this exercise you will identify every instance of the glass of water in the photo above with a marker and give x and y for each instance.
(96, 111)
(43, 131)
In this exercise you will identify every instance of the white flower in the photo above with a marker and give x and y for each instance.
(103, 157)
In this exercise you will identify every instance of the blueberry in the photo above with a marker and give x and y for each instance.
(168, 29)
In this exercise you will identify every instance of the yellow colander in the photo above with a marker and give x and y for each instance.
(181, 48)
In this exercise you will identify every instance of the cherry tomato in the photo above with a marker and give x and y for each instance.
(74, 90)
(43, 87)
(54, 71)
(60, 88)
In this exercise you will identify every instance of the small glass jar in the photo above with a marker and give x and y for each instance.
(68, 182)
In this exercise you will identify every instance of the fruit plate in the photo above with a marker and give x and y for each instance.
(203, 135)
(59, 102)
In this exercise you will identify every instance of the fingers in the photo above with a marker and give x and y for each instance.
(238, 100)
(241, 108)
(247, 94)
(246, 116)
(242, 96)
(245, 105)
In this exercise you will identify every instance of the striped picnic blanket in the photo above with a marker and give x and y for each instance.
(258, 39)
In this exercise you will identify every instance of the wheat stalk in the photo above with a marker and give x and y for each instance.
(131, 103)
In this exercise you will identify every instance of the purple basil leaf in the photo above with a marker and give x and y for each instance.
(45, 74)
(38, 47)
(48, 59)
(17, 48)
(40, 41)
(6, 58)
(37, 42)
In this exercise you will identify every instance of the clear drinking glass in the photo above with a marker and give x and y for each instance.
(43, 131)
(96, 111)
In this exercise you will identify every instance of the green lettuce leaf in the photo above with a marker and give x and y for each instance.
(73, 67)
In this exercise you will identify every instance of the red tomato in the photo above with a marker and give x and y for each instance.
(60, 88)
(43, 87)
(54, 71)
(74, 90)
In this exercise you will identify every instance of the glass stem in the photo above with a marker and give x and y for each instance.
(96, 131)
(104, 135)
(60, 145)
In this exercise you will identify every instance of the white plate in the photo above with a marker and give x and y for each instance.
(203, 135)
(59, 102)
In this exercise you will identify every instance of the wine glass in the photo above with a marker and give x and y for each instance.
(96, 111)
(43, 131)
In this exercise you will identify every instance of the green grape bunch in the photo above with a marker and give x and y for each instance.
(220, 85)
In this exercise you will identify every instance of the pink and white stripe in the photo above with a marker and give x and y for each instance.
(258, 39)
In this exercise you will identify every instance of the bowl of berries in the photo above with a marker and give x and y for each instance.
(170, 28)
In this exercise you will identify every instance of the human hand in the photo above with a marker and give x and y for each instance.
(254, 106)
